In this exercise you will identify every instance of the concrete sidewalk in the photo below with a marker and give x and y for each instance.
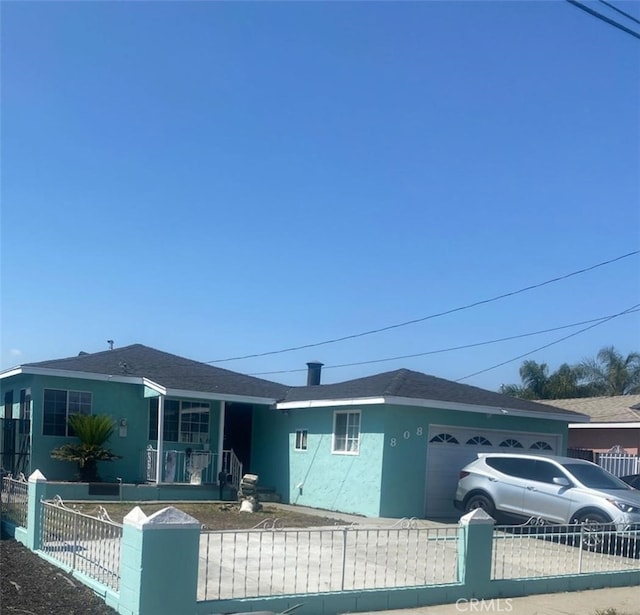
(625, 601)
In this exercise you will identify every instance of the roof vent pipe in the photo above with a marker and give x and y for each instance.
(314, 372)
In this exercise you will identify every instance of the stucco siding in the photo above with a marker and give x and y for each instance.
(270, 452)
(323, 479)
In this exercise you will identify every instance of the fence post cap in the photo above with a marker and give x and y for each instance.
(166, 518)
(477, 517)
(37, 477)
(171, 517)
(135, 517)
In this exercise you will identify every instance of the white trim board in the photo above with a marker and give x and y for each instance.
(430, 403)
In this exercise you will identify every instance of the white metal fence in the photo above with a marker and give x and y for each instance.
(14, 499)
(274, 561)
(525, 551)
(619, 464)
(85, 543)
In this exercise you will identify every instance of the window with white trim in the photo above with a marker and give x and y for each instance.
(346, 432)
(58, 405)
(301, 440)
(184, 421)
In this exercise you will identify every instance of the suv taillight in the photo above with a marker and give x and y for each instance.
(463, 474)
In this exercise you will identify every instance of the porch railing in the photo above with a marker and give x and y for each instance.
(193, 467)
(14, 499)
(88, 544)
(233, 467)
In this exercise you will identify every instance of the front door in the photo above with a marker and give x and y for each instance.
(237, 432)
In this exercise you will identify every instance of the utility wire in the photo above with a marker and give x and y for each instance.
(451, 349)
(562, 339)
(430, 317)
(597, 15)
(615, 8)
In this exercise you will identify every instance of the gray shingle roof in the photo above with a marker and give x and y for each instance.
(168, 370)
(616, 409)
(174, 372)
(416, 385)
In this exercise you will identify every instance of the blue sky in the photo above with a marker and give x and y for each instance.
(224, 179)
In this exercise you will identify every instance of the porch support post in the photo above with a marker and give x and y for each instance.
(160, 439)
(223, 406)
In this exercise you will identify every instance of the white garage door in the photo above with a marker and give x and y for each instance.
(450, 448)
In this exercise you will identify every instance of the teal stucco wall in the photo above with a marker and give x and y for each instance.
(270, 452)
(322, 479)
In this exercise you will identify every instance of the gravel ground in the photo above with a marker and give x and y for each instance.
(31, 586)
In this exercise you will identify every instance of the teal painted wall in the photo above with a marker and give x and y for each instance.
(270, 452)
(115, 399)
(405, 450)
(348, 483)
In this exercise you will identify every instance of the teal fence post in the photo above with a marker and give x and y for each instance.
(159, 563)
(37, 489)
(475, 536)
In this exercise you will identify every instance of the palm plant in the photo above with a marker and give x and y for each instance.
(93, 430)
(612, 373)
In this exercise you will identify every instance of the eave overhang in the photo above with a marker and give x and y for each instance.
(433, 403)
(136, 380)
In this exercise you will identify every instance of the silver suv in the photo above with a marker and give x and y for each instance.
(550, 489)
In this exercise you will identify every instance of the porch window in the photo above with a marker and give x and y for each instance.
(184, 421)
(58, 406)
(301, 440)
(346, 432)
(194, 422)
(25, 410)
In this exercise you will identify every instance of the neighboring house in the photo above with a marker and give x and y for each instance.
(614, 424)
(391, 444)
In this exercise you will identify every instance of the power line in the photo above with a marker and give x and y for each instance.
(615, 8)
(424, 318)
(562, 339)
(597, 15)
(452, 348)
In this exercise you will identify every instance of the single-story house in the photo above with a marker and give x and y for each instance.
(614, 423)
(391, 444)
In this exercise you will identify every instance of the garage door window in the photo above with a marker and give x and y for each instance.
(541, 446)
(346, 432)
(510, 443)
(478, 441)
(444, 437)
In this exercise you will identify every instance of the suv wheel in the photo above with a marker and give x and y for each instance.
(595, 530)
(479, 500)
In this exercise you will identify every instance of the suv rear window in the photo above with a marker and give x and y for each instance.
(529, 469)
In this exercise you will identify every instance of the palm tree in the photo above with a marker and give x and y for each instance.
(93, 430)
(535, 378)
(613, 374)
(565, 382)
